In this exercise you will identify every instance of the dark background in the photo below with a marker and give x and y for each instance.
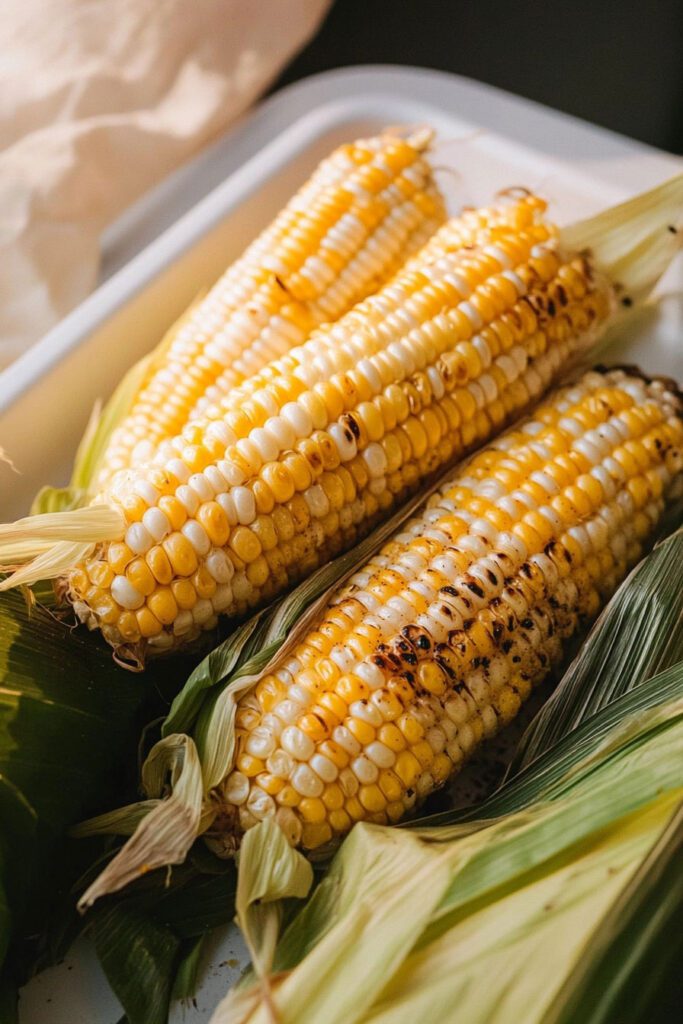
(618, 63)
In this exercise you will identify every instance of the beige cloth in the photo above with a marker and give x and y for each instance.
(99, 100)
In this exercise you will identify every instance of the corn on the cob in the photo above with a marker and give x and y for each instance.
(305, 456)
(368, 206)
(437, 641)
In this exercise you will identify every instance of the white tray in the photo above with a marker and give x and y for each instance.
(491, 139)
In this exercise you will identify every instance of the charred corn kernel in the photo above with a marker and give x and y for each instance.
(420, 691)
(331, 245)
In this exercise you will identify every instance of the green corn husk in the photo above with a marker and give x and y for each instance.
(453, 922)
(70, 719)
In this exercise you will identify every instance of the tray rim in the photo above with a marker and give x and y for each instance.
(280, 122)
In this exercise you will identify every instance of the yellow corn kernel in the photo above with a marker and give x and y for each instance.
(391, 737)
(163, 605)
(441, 767)
(361, 730)
(245, 544)
(264, 529)
(212, 517)
(139, 575)
(339, 820)
(312, 725)
(288, 796)
(184, 593)
(127, 625)
(119, 555)
(148, 624)
(133, 507)
(423, 752)
(269, 692)
(204, 583)
(335, 753)
(351, 688)
(100, 573)
(174, 510)
(258, 572)
(106, 609)
(411, 728)
(333, 797)
(312, 809)
(181, 554)
(432, 678)
(271, 784)
(407, 768)
(159, 565)
(314, 835)
(390, 785)
(334, 704)
(354, 808)
(249, 766)
(372, 798)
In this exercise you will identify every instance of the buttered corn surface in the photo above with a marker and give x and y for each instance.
(436, 642)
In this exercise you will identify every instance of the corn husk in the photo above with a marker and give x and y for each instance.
(69, 726)
(452, 922)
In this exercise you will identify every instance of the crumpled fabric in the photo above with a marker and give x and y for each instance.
(99, 100)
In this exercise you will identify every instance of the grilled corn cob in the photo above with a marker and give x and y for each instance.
(367, 207)
(435, 643)
(304, 457)
(307, 455)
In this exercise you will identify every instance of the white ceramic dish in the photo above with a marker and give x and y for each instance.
(179, 239)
